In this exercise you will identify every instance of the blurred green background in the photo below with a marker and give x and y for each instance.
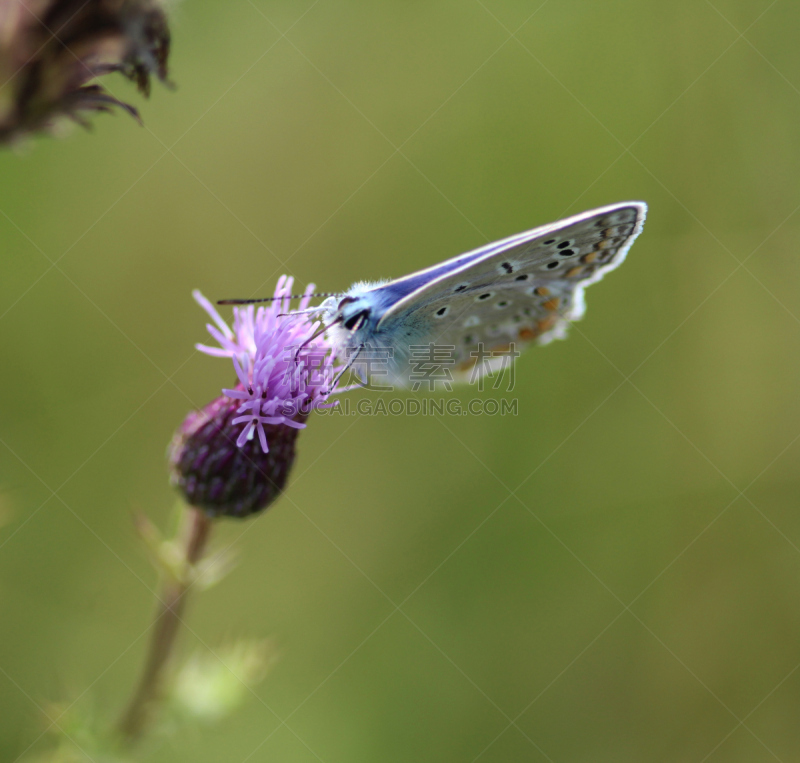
(610, 575)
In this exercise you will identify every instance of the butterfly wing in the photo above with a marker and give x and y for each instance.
(506, 295)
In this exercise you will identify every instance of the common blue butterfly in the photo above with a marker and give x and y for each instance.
(502, 296)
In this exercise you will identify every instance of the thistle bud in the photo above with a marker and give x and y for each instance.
(219, 476)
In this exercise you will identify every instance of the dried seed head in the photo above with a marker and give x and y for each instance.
(51, 49)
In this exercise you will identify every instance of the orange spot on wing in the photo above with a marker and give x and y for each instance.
(587, 258)
(542, 291)
(527, 334)
(605, 244)
(551, 304)
(574, 272)
(545, 324)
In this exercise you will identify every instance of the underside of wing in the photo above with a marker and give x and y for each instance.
(527, 288)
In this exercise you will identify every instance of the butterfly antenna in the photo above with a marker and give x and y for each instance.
(267, 299)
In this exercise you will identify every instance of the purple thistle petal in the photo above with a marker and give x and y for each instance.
(240, 372)
(212, 311)
(214, 351)
(236, 394)
(245, 435)
(281, 379)
(294, 424)
(225, 341)
(262, 437)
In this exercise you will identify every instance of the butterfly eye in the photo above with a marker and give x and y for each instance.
(355, 322)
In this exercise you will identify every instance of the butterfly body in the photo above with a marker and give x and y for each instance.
(498, 299)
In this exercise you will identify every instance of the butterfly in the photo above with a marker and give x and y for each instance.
(481, 307)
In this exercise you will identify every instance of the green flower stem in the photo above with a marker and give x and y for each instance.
(191, 543)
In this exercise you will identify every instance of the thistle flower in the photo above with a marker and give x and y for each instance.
(234, 456)
(51, 49)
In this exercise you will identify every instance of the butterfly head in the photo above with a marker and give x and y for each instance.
(351, 316)
(345, 317)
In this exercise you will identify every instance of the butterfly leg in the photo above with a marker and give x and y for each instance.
(307, 311)
(319, 332)
(345, 369)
